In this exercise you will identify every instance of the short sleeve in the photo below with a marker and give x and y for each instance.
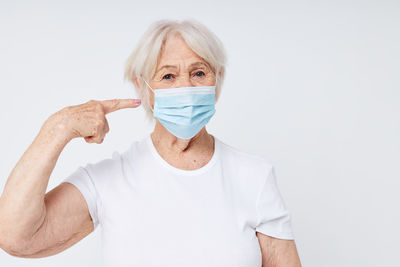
(273, 218)
(83, 181)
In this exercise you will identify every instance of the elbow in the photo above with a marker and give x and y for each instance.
(15, 242)
(16, 247)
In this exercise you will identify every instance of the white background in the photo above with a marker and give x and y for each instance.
(311, 85)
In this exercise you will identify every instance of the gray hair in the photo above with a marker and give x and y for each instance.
(143, 60)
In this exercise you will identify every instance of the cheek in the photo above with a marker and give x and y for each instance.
(150, 98)
(166, 83)
(210, 80)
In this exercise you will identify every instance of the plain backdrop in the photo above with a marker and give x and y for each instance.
(311, 85)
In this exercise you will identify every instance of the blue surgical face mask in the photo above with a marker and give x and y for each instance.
(184, 111)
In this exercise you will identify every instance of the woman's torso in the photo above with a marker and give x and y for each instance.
(153, 214)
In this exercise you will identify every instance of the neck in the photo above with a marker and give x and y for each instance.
(164, 140)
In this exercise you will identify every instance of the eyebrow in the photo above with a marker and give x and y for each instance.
(195, 64)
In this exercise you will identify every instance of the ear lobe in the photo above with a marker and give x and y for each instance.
(136, 82)
(220, 73)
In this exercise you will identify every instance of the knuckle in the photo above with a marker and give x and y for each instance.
(99, 109)
(114, 102)
(94, 104)
(98, 104)
(90, 103)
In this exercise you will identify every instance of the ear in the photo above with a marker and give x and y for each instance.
(136, 82)
(220, 73)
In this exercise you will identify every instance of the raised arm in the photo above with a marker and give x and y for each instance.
(36, 224)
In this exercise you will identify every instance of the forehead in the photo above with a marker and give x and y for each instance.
(175, 49)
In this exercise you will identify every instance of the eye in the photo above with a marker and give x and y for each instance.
(167, 76)
(200, 73)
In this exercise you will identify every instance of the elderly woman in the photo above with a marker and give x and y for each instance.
(178, 197)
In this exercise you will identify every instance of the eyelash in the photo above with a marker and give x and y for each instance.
(172, 74)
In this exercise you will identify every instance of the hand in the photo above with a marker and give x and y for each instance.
(88, 120)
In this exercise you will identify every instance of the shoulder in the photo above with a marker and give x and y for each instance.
(111, 168)
(247, 170)
(115, 160)
(120, 162)
(244, 160)
(105, 165)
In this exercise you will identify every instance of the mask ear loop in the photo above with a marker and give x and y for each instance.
(149, 96)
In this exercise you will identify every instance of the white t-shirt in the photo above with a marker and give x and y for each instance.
(153, 214)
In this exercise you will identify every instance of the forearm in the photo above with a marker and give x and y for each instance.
(278, 252)
(22, 208)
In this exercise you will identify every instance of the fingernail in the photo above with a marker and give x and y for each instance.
(138, 100)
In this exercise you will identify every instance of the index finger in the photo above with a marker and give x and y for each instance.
(116, 104)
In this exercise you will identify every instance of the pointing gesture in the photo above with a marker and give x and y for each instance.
(88, 120)
(116, 104)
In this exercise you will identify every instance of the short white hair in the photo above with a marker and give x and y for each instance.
(144, 58)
